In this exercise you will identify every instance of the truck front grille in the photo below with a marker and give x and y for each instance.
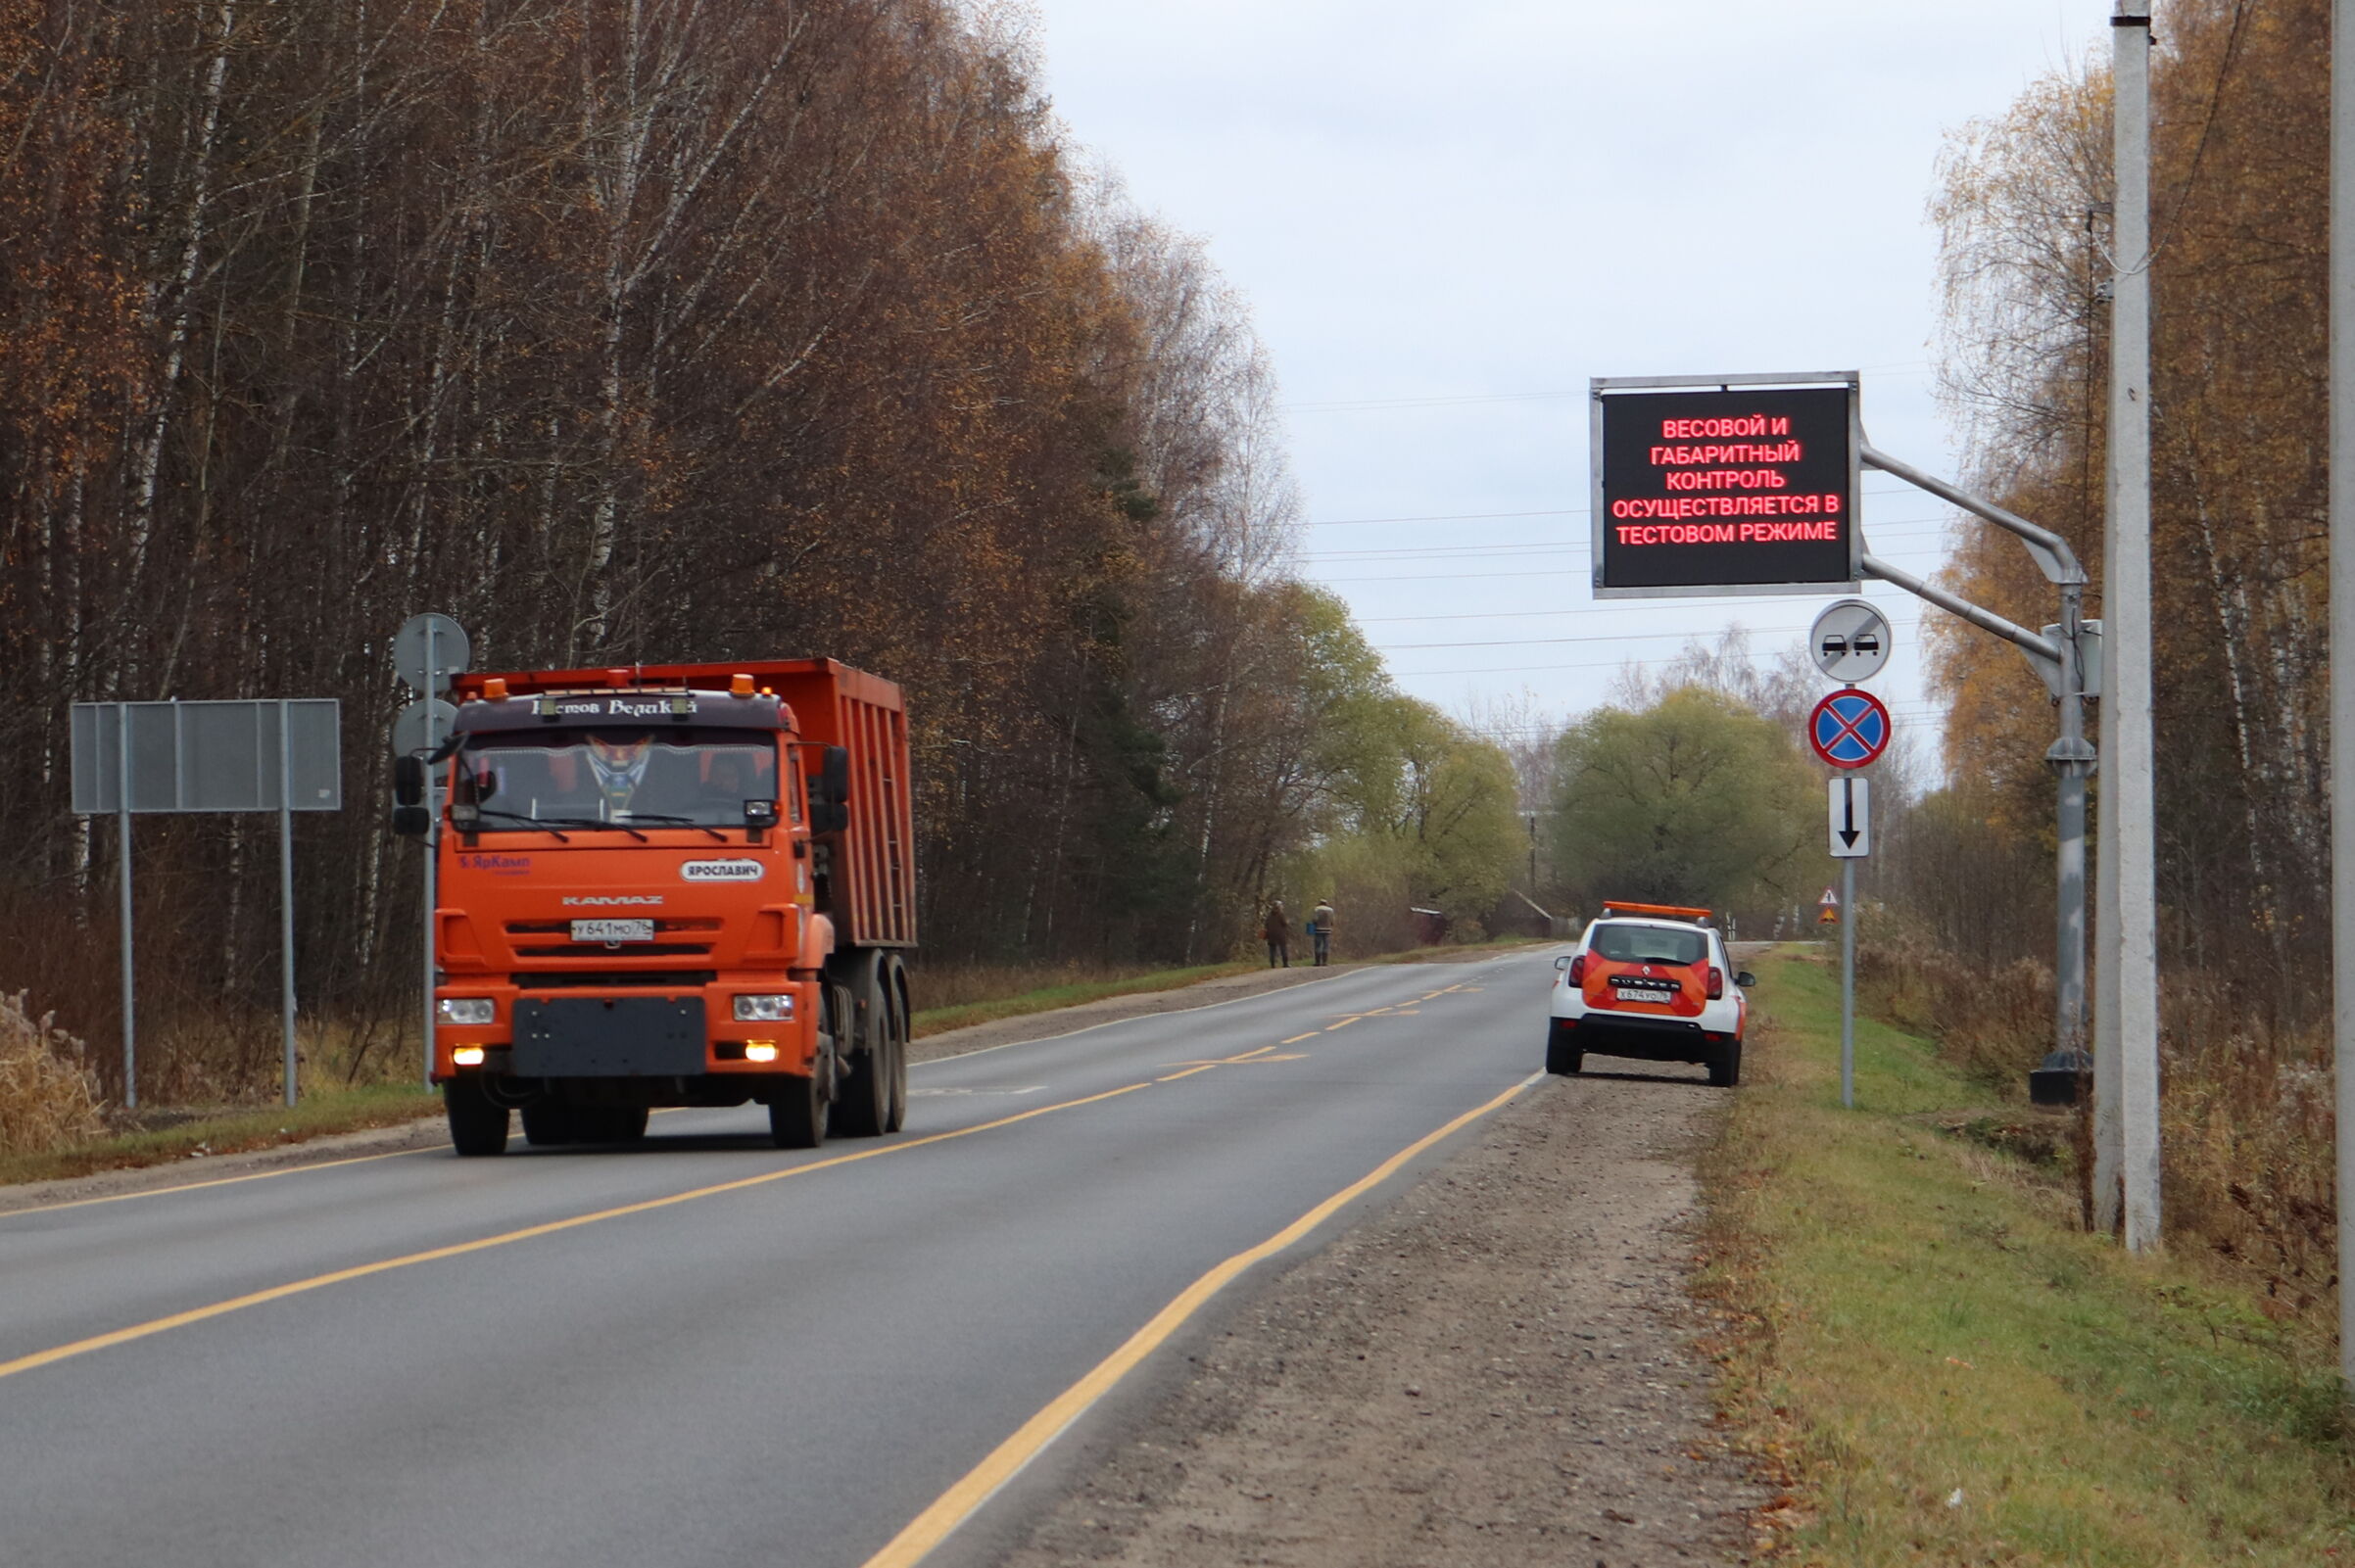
(590, 979)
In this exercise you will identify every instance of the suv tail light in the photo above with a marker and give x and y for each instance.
(1716, 984)
(1578, 970)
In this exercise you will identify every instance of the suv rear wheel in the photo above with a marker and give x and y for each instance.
(1562, 1055)
(1726, 1071)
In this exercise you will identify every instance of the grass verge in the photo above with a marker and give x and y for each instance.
(1945, 1369)
(235, 1130)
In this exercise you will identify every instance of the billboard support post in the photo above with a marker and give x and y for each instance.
(286, 938)
(122, 853)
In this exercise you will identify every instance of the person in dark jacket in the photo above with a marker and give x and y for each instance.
(1278, 934)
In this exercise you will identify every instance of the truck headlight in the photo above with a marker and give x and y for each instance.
(764, 1009)
(469, 1011)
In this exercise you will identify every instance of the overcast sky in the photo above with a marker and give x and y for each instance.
(1448, 217)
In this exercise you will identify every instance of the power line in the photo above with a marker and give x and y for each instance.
(1591, 637)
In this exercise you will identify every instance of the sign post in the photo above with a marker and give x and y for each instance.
(1849, 730)
(428, 650)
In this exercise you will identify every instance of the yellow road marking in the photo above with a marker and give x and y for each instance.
(199, 1315)
(958, 1503)
(1343, 1024)
(1297, 1038)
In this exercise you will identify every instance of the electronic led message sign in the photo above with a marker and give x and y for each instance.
(1724, 484)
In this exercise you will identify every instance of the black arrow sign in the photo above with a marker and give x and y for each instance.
(1849, 834)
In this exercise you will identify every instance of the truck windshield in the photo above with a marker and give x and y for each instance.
(622, 776)
(1649, 945)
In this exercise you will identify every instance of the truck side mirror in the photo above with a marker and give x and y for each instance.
(409, 781)
(412, 822)
(830, 792)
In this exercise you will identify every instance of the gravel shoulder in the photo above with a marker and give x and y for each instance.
(1496, 1372)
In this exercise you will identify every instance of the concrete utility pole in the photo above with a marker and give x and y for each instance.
(2126, 1051)
(2342, 654)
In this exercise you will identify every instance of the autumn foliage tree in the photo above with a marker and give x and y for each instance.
(620, 330)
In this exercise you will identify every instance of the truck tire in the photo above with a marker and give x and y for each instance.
(798, 1115)
(1562, 1055)
(550, 1125)
(863, 1109)
(478, 1123)
(895, 995)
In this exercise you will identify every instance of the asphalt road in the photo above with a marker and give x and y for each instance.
(762, 1358)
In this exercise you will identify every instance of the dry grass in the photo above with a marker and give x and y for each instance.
(48, 1095)
(2246, 1122)
(1939, 1367)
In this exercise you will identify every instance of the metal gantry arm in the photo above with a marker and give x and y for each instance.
(2052, 553)
(2060, 654)
(2039, 649)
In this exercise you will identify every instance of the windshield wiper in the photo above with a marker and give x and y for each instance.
(551, 824)
(517, 816)
(675, 821)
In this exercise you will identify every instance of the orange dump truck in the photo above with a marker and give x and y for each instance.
(683, 884)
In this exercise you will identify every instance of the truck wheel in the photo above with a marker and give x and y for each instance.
(798, 1115)
(895, 997)
(478, 1123)
(1562, 1055)
(549, 1123)
(863, 1107)
(1726, 1071)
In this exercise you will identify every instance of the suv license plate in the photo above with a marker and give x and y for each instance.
(612, 931)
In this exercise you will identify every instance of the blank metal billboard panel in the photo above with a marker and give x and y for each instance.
(207, 756)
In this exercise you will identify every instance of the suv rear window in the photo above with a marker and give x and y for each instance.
(1650, 944)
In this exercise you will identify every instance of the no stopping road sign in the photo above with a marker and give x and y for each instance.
(1848, 728)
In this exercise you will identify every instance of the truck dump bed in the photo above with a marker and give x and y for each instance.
(874, 880)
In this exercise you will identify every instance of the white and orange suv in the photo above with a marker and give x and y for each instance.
(1650, 981)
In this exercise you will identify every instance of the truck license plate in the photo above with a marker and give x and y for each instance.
(612, 931)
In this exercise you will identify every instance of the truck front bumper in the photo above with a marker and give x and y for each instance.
(614, 1033)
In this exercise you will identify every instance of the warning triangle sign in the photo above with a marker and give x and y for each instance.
(1829, 900)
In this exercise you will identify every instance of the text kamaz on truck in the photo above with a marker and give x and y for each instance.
(671, 885)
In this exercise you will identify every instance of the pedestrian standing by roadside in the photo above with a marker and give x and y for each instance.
(1278, 931)
(1321, 931)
